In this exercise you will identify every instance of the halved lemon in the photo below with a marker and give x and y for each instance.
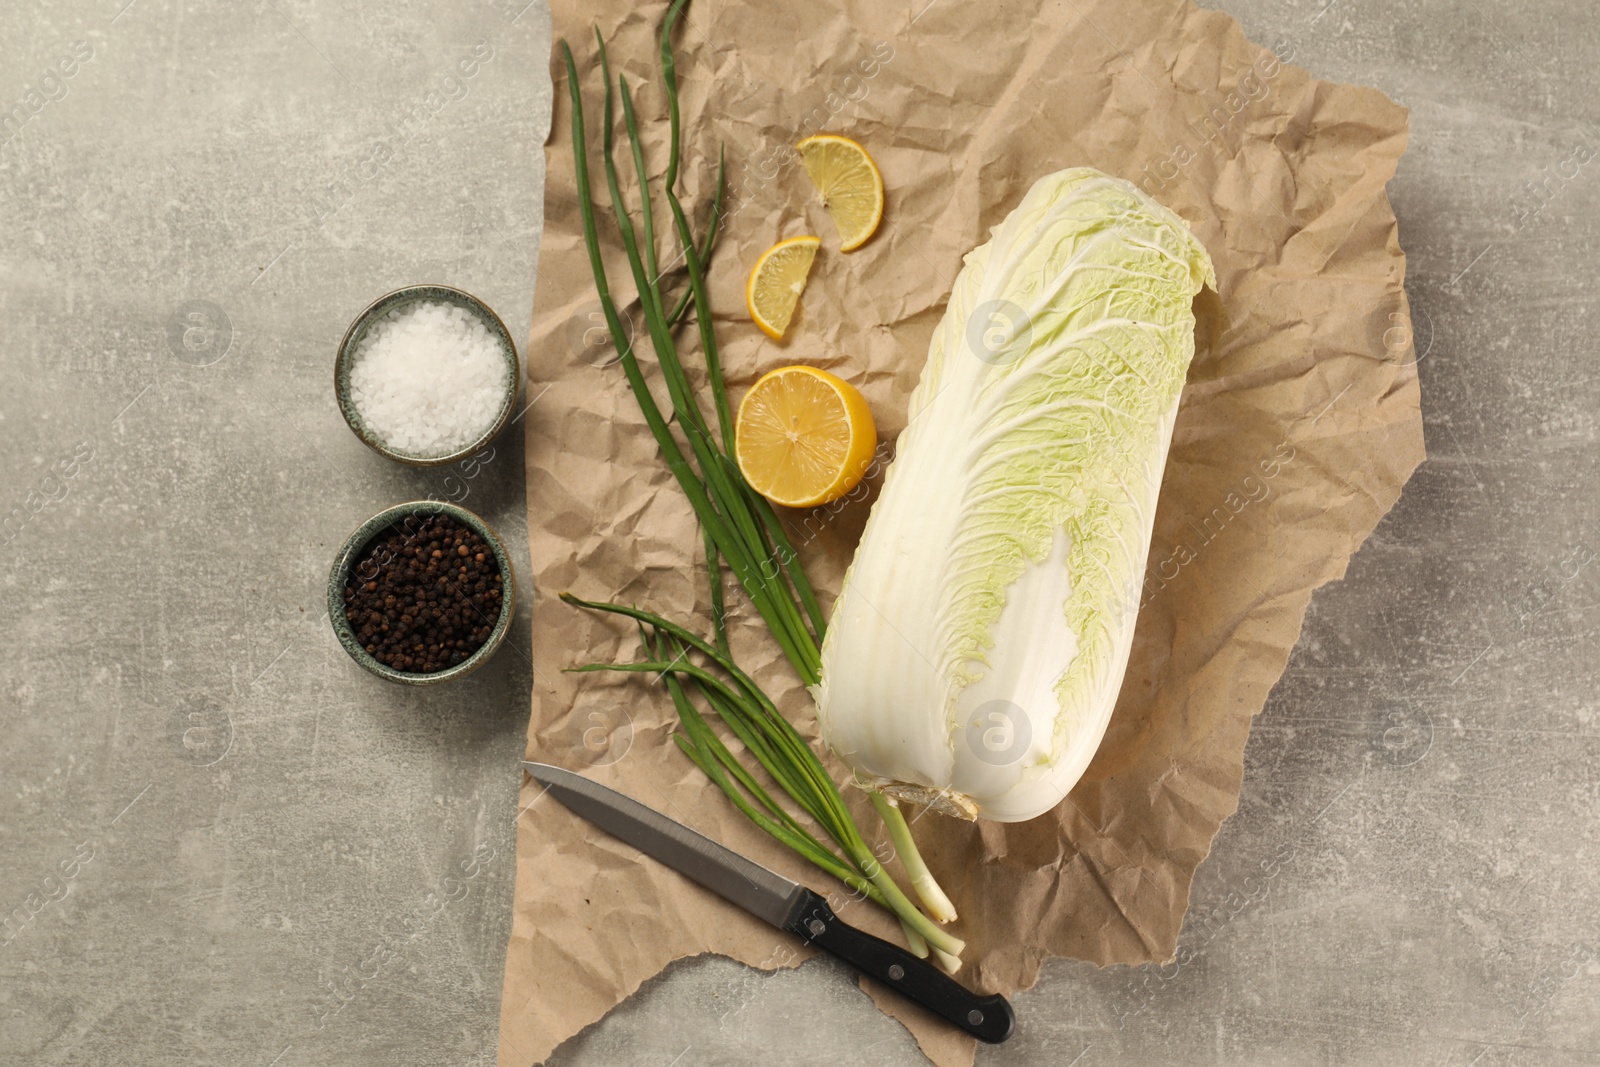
(804, 436)
(776, 281)
(850, 184)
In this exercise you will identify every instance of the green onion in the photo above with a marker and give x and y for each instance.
(782, 753)
(740, 529)
(922, 880)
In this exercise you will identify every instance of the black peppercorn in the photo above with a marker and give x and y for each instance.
(414, 614)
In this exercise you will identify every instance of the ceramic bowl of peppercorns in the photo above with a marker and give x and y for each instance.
(422, 593)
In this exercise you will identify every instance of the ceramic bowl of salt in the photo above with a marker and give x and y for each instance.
(427, 375)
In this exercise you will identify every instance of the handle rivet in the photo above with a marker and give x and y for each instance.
(896, 972)
(975, 1017)
(816, 926)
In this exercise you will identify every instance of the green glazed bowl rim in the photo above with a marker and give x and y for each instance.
(358, 541)
(407, 294)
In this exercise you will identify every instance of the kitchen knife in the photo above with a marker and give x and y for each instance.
(767, 895)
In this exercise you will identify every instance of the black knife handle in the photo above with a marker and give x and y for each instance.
(985, 1018)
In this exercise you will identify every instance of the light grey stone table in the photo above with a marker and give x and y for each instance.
(223, 844)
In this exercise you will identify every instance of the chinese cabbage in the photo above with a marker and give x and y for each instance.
(980, 638)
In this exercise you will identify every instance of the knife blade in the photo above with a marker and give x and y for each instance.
(780, 901)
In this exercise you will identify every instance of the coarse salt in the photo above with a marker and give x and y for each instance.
(428, 378)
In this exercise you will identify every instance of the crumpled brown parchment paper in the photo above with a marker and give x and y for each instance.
(1299, 425)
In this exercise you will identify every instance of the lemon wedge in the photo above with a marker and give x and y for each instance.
(850, 184)
(776, 282)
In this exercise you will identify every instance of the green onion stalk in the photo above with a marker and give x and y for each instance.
(740, 530)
